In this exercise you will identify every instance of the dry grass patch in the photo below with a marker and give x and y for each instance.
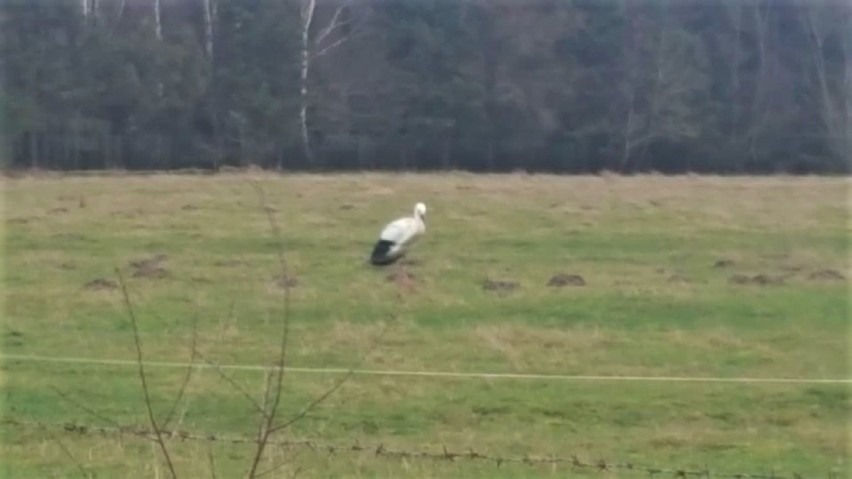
(522, 346)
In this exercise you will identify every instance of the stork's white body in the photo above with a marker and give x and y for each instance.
(398, 235)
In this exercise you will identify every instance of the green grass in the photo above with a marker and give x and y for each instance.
(654, 304)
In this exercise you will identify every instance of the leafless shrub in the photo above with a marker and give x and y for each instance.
(267, 408)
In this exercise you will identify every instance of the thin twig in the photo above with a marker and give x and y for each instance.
(267, 389)
(232, 382)
(68, 453)
(188, 375)
(212, 462)
(91, 411)
(270, 411)
(332, 24)
(337, 385)
(137, 342)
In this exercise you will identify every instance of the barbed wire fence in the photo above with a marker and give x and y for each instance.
(380, 450)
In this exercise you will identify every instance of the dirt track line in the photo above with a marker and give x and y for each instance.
(435, 374)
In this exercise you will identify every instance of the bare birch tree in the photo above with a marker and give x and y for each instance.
(209, 18)
(327, 39)
(158, 27)
(835, 95)
(662, 77)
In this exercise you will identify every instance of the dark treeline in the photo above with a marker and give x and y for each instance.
(487, 85)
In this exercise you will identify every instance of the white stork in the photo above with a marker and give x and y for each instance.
(398, 235)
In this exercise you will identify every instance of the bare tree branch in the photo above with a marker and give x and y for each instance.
(330, 47)
(274, 387)
(67, 452)
(316, 402)
(233, 383)
(332, 24)
(319, 400)
(188, 375)
(139, 361)
(212, 462)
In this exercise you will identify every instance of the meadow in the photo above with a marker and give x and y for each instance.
(645, 276)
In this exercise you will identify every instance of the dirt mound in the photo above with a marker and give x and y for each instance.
(723, 263)
(560, 280)
(759, 279)
(826, 275)
(150, 267)
(285, 281)
(401, 276)
(501, 287)
(100, 284)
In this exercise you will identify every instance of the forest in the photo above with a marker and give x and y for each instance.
(564, 86)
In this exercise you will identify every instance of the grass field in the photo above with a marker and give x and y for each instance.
(684, 276)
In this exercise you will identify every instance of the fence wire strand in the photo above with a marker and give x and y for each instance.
(381, 450)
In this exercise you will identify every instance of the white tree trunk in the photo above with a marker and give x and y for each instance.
(847, 92)
(307, 18)
(209, 16)
(93, 8)
(158, 29)
(835, 119)
(84, 4)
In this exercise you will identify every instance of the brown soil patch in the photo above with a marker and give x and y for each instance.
(759, 279)
(285, 281)
(188, 207)
(401, 277)
(101, 284)
(723, 263)
(58, 210)
(150, 267)
(346, 207)
(560, 280)
(18, 221)
(827, 275)
(501, 287)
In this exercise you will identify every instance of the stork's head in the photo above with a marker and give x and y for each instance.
(420, 210)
